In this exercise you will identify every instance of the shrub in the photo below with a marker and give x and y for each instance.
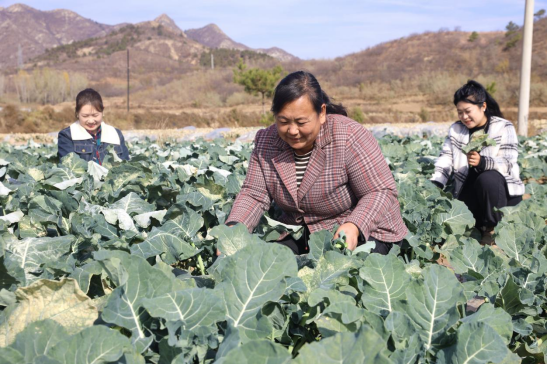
(266, 119)
(424, 114)
(357, 114)
(473, 37)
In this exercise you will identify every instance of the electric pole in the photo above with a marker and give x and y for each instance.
(19, 57)
(128, 80)
(526, 69)
(212, 61)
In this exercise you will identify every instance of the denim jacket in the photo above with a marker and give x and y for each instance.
(76, 139)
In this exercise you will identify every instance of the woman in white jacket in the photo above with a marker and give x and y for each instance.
(484, 179)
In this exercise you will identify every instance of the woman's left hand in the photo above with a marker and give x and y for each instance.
(352, 234)
(473, 158)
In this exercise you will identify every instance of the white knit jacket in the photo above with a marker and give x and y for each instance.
(502, 157)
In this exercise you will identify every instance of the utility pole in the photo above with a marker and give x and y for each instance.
(128, 80)
(526, 68)
(212, 61)
(19, 57)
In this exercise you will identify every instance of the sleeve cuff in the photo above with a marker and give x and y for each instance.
(437, 184)
(482, 165)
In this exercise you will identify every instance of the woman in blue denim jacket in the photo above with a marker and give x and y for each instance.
(89, 137)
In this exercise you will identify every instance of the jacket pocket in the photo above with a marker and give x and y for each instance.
(84, 150)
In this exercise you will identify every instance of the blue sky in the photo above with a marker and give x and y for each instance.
(306, 28)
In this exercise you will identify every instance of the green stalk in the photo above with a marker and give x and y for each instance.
(200, 261)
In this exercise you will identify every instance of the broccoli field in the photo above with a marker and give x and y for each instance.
(117, 264)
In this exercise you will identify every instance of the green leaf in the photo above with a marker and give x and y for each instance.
(385, 283)
(61, 301)
(187, 225)
(13, 217)
(233, 239)
(400, 326)
(193, 307)
(132, 204)
(332, 269)
(509, 298)
(4, 191)
(515, 240)
(25, 258)
(257, 352)
(38, 338)
(458, 219)
(319, 243)
(139, 281)
(9, 355)
(171, 248)
(253, 276)
(94, 345)
(43, 209)
(432, 304)
(144, 220)
(496, 318)
(477, 343)
(478, 142)
(364, 347)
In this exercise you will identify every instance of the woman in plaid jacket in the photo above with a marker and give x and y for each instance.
(322, 169)
(486, 179)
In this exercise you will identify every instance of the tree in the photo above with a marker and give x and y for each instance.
(511, 29)
(540, 14)
(257, 81)
(473, 37)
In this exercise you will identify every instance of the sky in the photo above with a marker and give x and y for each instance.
(319, 29)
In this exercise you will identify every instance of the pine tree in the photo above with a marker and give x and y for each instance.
(257, 81)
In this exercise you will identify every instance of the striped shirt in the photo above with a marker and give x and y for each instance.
(301, 163)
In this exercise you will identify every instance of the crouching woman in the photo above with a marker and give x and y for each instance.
(484, 179)
(322, 169)
(89, 137)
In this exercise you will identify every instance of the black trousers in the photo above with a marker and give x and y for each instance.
(300, 246)
(482, 192)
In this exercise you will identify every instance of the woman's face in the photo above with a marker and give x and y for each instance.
(471, 115)
(90, 118)
(298, 124)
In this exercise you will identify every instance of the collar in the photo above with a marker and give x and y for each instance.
(323, 138)
(108, 133)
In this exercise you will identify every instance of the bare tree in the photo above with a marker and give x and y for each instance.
(46, 86)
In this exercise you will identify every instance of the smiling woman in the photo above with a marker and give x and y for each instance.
(486, 175)
(89, 137)
(322, 169)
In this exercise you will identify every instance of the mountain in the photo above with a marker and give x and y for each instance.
(169, 23)
(454, 52)
(213, 37)
(26, 32)
(156, 46)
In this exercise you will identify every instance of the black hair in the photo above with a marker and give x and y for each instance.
(474, 93)
(300, 83)
(91, 97)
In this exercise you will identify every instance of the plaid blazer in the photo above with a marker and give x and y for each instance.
(347, 180)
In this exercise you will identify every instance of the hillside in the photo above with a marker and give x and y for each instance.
(155, 46)
(26, 32)
(492, 53)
